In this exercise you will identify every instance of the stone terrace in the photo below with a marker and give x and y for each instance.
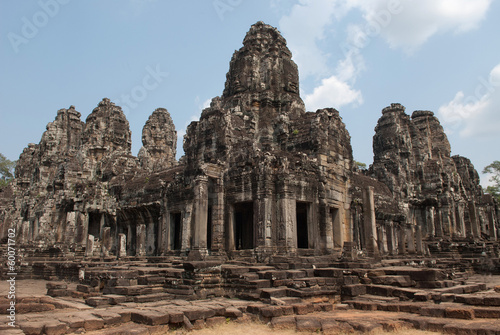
(310, 294)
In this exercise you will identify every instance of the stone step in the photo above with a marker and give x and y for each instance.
(394, 280)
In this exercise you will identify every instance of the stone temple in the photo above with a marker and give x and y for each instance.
(266, 205)
(260, 177)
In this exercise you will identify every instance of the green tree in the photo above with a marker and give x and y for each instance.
(6, 170)
(494, 169)
(359, 165)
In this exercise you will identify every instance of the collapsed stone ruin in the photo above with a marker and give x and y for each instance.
(267, 205)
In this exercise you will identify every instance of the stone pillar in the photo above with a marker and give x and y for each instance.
(230, 229)
(70, 233)
(438, 223)
(106, 242)
(492, 224)
(410, 237)
(429, 221)
(122, 246)
(391, 237)
(418, 240)
(369, 222)
(382, 239)
(151, 235)
(338, 227)
(401, 240)
(462, 231)
(446, 221)
(287, 224)
(473, 219)
(163, 234)
(141, 240)
(200, 208)
(89, 249)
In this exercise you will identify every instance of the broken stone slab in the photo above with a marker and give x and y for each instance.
(97, 301)
(459, 313)
(308, 324)
(233, 313)
(56, 285)
(109, 318)
(150, 317)
(353, 290)
(271, 312)
(330, 326)
(284, 323)
(54, 327)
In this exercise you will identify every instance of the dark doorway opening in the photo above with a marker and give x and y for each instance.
(243, 226)
(302, 225)
(176, 231)
(95, 224)
(209, 228)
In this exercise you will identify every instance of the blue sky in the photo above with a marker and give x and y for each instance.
(353, 55)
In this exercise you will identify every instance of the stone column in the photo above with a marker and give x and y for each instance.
(410, 237)
(473, 219)
(106, 242)
(200, 208)
(122, 246)
(429, 221)
(462, 231)
(230, 228)
(446, 221)
(401, 240)
(369, 222)
(391, 243)
(418, 240)
(337, 218)
(89, 249)
(140, 249)
(70, 233)
(288, 224)
(492, 224)
(382, 237)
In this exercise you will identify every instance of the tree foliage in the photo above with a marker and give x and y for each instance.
(6, 170)
(359, 165)
(494, 170)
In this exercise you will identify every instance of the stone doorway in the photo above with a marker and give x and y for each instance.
(302, 214)
(176, 229)
(243, 226)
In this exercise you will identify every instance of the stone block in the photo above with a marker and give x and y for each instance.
(492, 300)
(233, 313)
(97, 301)
(271, 312)
(32, 327)
(330, 326)
(459, 313)
(215, 321)
(109, 318)
(54, 285)
(54, 327)
(436, 312)
(353, 290)
(328, 272)
(284, 322)
(150, 317)
(302, 309)
(308, 324)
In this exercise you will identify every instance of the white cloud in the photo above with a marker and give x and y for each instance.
(305, 26)
(405, 24)
(332, 92)
(475, 115)
(408, 24)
